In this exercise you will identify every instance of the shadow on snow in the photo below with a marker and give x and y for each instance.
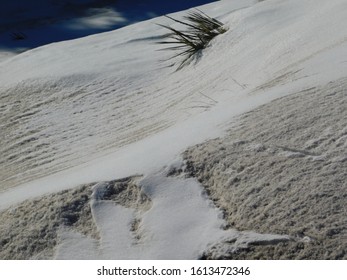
(28, 24)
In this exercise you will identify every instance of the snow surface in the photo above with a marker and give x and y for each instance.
(105, 107)
(180, 224)
(47, 21)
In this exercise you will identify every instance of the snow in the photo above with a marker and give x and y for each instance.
(105, 107)
(180, 224)
(48, 21)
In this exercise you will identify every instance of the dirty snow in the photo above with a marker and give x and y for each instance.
(283, 169)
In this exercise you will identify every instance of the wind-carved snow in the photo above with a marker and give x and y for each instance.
(100, 93)
(181, 224)
(104, 108)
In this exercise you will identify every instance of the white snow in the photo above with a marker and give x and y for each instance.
(47, 21)
(105, 107)
(180, 224)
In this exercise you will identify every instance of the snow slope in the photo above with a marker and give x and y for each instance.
(26, 25)
(105, 107)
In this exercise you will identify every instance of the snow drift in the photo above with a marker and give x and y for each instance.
(104, 107)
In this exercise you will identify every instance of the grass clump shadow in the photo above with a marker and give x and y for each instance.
(188, 44)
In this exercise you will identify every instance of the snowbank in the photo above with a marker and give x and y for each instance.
(105, 114)
(282, 168)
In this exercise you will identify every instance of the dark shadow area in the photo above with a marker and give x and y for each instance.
(29, 24)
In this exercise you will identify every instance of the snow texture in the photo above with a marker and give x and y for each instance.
(105, 112)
